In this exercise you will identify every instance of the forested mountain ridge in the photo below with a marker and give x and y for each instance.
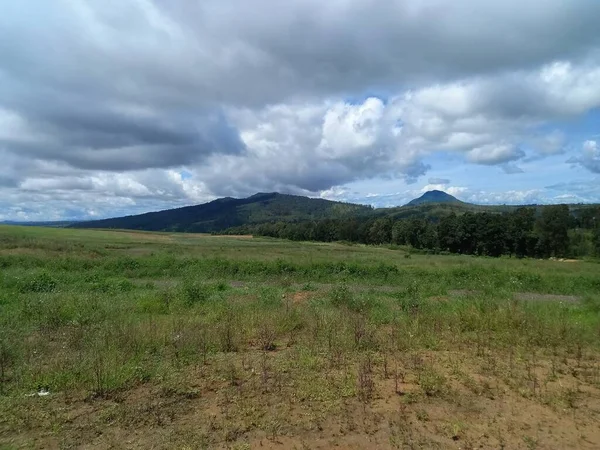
(228, 212)
(436, 221)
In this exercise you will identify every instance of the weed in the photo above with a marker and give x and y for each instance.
(366, 384)
(194, 292)
(432, 383)
(39, 283)
(266, 336)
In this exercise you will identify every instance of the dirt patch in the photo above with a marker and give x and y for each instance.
(262, 400)
(236, 236)
(301, 297)
(139, 251)
(19, 251)
(462, 293)
(533, 296)
(145, 235)
(237, 284)
(564, 260)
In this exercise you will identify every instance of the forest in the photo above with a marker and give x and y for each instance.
(550, 231)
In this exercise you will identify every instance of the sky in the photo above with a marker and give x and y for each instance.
(121, 107)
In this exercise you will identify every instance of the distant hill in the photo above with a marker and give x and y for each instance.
(226, 213)
(434, 197)
(52, 224)
(230, 212)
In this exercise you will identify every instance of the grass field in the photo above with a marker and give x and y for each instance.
(114, 339)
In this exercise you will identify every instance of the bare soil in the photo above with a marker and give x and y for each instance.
(476, 407)
(532, 296)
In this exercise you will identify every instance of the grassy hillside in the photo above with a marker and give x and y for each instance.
(121, 339)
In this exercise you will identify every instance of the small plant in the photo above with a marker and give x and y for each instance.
(456, 431)
(221, 286)
(431, 382)
(100, 374)
(570, 396)
(232, 374)
(7, 360)
(398, 378)
(422, 415)
(358, 328)
(308, 286)
(530, 442)
(227, 333)
(266, 337)
(366, 385)
(341, 296)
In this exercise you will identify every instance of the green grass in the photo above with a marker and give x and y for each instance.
(98, 314)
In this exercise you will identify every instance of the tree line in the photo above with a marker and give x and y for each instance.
(550, 231)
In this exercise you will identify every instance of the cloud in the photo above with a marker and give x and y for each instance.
(585, 191)
(474, 195)
(101, 105)
(589, 158)
(510, 197)
(441, 181)
(511, 169)
(552, 143)
(492, 154)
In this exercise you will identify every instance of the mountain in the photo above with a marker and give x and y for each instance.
(51, 224)
(434, 197)
(225, 213)
(231, 212)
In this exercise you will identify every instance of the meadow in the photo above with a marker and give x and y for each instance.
(120, 339)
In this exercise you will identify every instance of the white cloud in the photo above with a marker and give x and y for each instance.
(589, 156)
(441, 181)
(493, 154)
(552, 143)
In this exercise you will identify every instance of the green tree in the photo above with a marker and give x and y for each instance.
(399, 230)
(380, 231)
(596, 238)
(450, 233)
(521, 238)
(553, 230)
(492, 234)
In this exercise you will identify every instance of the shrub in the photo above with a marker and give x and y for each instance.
(194, 292)
(38, 283)
(341, 296)
(431, 382)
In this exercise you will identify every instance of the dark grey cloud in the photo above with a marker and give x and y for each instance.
(349, 46)
(112, 134)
